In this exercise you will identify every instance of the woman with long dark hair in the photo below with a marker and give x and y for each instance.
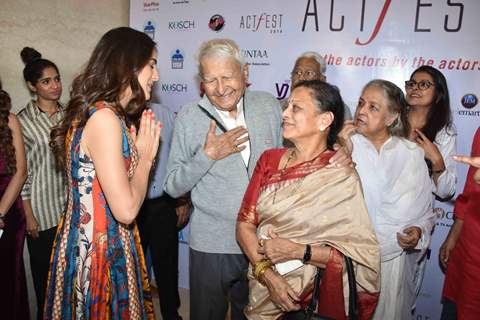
(13, 172)
(44, 193)
(430, 121)
(97, 268)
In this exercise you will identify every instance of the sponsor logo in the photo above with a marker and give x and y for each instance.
(177, 58)
(271, 23)
(444, 218)
(469, 101)
(256, 57)
(282, 89)
(181, 25)
(149, 29)
(419, 18)
(216, 23)
(174, 87)
(151, 5)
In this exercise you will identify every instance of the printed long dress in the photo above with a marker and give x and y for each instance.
(97, 268)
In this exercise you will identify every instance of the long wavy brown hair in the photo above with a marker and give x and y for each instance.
(6, 146)
(112, 69)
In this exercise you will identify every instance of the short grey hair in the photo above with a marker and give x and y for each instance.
(224, 48)
(396, 105)
(317, 57)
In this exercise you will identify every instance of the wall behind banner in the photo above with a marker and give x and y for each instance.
(64, 31)
(361, 40)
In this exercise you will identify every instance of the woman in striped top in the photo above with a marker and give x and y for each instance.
(44, 192)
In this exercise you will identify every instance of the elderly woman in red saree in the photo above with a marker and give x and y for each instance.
(299, 213)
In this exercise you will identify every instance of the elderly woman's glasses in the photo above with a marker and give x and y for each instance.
(305, 74)
(422, 85)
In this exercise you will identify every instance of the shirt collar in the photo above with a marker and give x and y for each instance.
(226, 114)
(35, 110)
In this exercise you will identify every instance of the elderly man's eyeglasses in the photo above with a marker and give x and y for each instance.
(305, 74)
(422, 85)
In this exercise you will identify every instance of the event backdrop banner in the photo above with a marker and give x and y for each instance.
(360, 39)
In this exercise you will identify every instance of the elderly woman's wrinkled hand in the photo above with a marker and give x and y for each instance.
(410, 238)
(281, 293)
(278, 249)
(342, 158)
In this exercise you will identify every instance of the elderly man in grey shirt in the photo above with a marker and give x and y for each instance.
(216, 144)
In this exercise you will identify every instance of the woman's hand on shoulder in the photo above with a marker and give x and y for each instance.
(281, 293)
(147, 138)
(344, 147)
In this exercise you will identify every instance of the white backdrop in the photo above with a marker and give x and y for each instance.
(361, 40)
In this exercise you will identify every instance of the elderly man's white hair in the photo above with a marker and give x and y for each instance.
(221, 48)
(317, 57)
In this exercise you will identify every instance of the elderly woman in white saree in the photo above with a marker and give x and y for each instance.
(398, 192)
(299, 214)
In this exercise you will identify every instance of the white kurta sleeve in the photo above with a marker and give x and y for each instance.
(446, 142)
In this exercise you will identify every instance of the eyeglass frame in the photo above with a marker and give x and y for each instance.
(305, 73)
(411, 84)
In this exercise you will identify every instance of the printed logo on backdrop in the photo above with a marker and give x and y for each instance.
(469, 101)
(256, 57)
(177, 57)
(281, 89)
(263, 22)
(444, 218)
(174, 87)
(216, 23)
(149, 29)
(419, 20)
(181, 25)
(151, 5)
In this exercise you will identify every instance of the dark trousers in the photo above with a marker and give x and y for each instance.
(215, 280)
(40, 250)
(157, 224)
(449, 310)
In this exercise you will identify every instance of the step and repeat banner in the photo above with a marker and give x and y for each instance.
(360, 40)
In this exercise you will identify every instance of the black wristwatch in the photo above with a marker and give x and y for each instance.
(308, 254)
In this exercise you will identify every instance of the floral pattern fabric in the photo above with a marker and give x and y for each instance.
(97, 268)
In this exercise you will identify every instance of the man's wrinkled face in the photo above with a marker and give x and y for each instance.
(224, 81)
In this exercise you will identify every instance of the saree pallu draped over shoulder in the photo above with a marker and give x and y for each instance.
(319, 206)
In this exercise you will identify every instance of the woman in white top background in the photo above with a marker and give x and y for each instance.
(431, 127)
(397, 190)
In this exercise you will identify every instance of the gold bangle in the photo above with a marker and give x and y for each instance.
(260, 268)
(261, 273)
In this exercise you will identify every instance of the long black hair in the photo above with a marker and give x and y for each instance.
(439, 115)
